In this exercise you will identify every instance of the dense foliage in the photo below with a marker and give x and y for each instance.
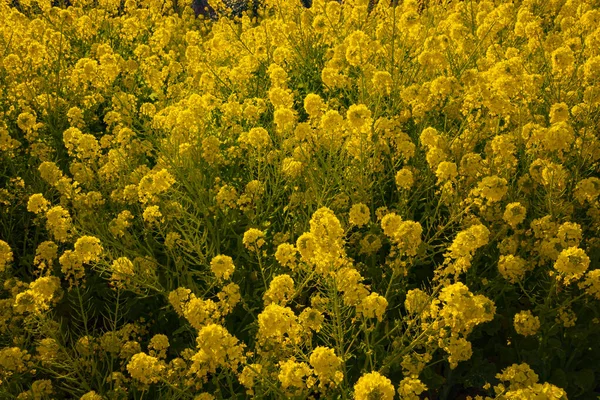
(368, 200)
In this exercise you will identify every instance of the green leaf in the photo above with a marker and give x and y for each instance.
(584, 379)
(559, 378)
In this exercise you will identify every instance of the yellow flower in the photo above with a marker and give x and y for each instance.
(26, 121)
(222, 266)
(58, 222)
(373, 306)
(249, 374)
(587, 190)
(370, 244)
(6, 255)
(320, 23)
(47, 350)
(559, 112)
(153, 184)
(430, 137)
(314, 105)
(295, 375)
(492, 188)
(591, 69)
(311, 318)
(200, 313)
(45, 255)
(88, 249)
(359, 48)
(71, 266)
(291, 168)
(518, 376)
(382, 82)
(407, 237)
(145, 368)
(229, 297)
(536, 391)
(526, 323)
(277, 323)
(462, 310)
(360, 214)
(349, 283)
(446, 171)
(119, 225)
(514, 214)
(325, 226)
(13, 360)
(158, 345)
(80, 145)
(281, 98)
(41, 388)
(216, 348)
(572, 263)
(404, 179)
(284, 119)
(566, 317)
(591, 283)
(286, 255)
(458, 349)
(359, 117)
(326, 365)
(411, 388)
(307, 246)
(563, 61)
(91, 395)
(179, 298)
(42, 293)
(373, 386)
(253, 239)
(469, 240)
(258, 138)
(152, 215)
(122, 270)
(37, 203)
(569, 234)
(416, 301)
(390, 224)
(512, 268)
(281, 289)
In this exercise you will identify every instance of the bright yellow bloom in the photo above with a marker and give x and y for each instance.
(373, 306)
(373, 386)
(286, 255)
(6, 255)
(254, 239)
(519, 376)
(411, 388)
(37, 203)
(512, 268)
(526, 323)
(58, 222)
(326, 365)
(360, 214)
(281, 290)
(88, 249)
(277, 323)
(404, 179)
(222, 266)
(145, 368)
(572, 263)
(295, 375)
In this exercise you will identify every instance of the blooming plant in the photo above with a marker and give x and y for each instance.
(337, 200)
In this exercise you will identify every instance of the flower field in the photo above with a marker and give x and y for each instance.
(351, 200)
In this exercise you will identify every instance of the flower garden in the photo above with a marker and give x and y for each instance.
(350, 200)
